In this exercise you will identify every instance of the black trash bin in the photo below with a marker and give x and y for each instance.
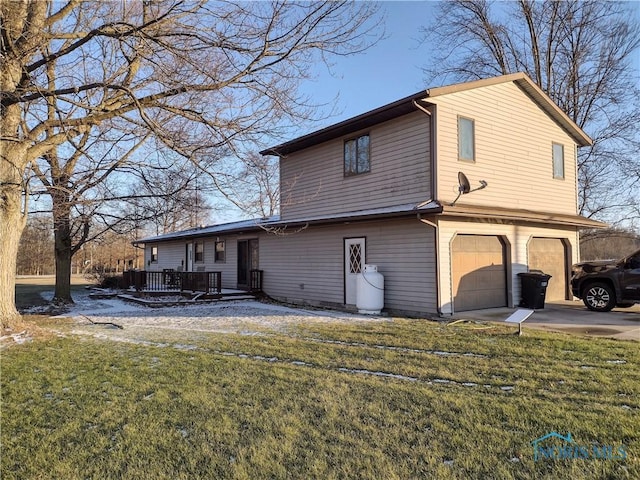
(534, 289)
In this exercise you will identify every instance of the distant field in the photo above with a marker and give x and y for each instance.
(29, 288)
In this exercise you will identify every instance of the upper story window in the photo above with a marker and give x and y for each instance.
(466, 139)
(154, 254)
(558, 160)
(220, 248)
(199, 252)
(356, 155)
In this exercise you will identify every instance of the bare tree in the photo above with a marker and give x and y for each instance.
(203, 77)
(608, 244)
(82, 191)
(581, 53)
(174, 196)
(91, 192)
(251, 184)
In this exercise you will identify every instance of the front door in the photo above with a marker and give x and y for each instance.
(247, 261)
(354, 258)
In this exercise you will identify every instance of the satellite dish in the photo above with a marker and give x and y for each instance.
(464, 186)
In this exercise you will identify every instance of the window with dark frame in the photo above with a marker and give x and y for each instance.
(356, 155)
(466, 139)
(154, 254)
(199, 252)
(558, 161)
(220, 249)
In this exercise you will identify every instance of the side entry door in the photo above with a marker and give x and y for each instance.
(247, 260)
(354, 259)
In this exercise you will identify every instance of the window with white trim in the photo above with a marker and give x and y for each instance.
(466, 139)
(154, 254)
(220, 251)
(199, 252)
(558, 160)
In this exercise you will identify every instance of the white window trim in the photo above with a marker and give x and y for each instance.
(553, 161)
(473, 139)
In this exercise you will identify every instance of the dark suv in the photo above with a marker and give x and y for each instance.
(603, 285)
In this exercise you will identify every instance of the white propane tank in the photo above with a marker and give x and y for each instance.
(370, 291)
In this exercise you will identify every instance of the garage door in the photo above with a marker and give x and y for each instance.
(549, 256)
(479, 273)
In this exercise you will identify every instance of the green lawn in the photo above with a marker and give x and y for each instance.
(29, 289)
(237, 406)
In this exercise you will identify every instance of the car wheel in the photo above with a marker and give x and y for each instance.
(599, 297)
(625, 305)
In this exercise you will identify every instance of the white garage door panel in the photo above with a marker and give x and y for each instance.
(479, 274)
(549, 256)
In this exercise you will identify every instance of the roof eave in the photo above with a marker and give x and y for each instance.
(520, 215)
(351, 125)
(351, 217)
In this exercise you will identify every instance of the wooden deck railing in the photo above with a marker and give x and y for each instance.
(256, 280)
(172, 281)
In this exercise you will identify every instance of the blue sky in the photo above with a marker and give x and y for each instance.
(388, 71)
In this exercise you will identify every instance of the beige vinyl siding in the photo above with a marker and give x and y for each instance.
(313, 181)
(229, 267)
(517, 236)
(513, 151)
(170, 255)
(308, 267)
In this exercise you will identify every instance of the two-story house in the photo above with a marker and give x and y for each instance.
(384, 188)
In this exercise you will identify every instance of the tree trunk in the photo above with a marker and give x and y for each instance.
(63, 271)
(12, 221)
(10, 231)
(63, 252)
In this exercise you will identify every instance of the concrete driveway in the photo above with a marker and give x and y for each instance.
(570, 317)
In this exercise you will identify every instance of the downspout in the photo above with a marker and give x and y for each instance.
(432, 167)
(432, 145)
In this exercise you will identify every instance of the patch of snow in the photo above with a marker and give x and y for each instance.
(617, 362)
(18, 338)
